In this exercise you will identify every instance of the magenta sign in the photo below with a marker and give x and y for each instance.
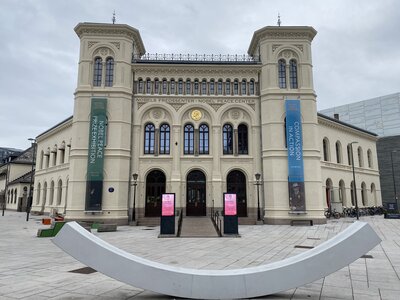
(168, 205)
(230, 204)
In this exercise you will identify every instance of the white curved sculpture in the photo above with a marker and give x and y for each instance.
(295, 271)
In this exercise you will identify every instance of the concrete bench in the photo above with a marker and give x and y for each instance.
(106, 227)
(292, 272)
(52, 231)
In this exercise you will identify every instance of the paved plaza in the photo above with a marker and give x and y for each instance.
(34, 268)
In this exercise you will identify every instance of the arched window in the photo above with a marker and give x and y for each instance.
(188, 87)
(212, 87)
(338, 152)
(140, 86)
(329, 192)
(44, 196)
(243, 147)
(203, 139)
(54, 151)
(172, 87)
(164, 139)
(244, 87)
(236, 87)
(228, 88)
(180, 87)
(342, 192)
(227, 139)
(360, 157)
(156, 86)
(51, 193)
(373, 195)
(325, 144)
(39, 186)
(349, 154)
(188, 142)
(370, 162)
(164, 87)
(251, 87)
(98, 70)
(282, 73)
(148, 86)
(219, 88)
(364, 197)
(109, 71)
(59, 192)
(196, 87)
(204, 87)
(41, 161)
(293, 74)
(149, 139)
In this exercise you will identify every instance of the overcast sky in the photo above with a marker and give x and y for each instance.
(355, 53)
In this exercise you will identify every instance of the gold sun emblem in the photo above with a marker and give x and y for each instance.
(196, 115)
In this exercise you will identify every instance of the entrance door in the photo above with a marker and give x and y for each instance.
(155, 187)
(236, 184)
(196, 194)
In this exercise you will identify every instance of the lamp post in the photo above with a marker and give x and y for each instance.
(354, 179)
(258, 182)
(29, 203)
(394, 181)
(134, 177)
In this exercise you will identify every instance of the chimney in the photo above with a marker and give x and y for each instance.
(336, 116)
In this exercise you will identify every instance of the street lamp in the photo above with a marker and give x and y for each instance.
(394, 181)
(29, 203)
(354, 179)
(134, 177)
(258, 183)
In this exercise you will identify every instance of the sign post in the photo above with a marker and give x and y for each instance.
(167, 224)
(230, 214)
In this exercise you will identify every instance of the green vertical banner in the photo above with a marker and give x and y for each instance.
(97, 138)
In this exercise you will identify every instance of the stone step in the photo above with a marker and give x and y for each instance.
(198, 227)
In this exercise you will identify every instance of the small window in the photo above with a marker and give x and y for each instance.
(196, 87)
(172, 88)
(203, 139)
(349, 154)
(149, 132)
(98, 69)
(293, 74)
(360, 157)
(212, 87)
(282, 73)
(325, 144)
(140, 86)
(180, 87)
(251, 87)
(227, 139)
(228, 87)
(109, 71)
(156, 86)
(164, 87)
(164, 139)
(244, 87)
(219, 88)
(338, 152)
(236, 87)
(148, 86)
(188, 87)
(204, 87)
(370, 163)
(188, 143)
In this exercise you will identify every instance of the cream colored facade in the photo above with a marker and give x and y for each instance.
(194, 97)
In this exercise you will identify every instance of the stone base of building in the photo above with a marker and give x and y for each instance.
(110, 220)
(291, 221)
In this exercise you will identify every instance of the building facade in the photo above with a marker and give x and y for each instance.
(198, 126)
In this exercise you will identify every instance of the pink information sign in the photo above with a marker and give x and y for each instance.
(230, 204)
(168, 205)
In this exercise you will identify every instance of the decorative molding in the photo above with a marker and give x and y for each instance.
(344, 128)
(91, 43)
(104, 51)
(116, 44)
(275, 46)
(300, 47)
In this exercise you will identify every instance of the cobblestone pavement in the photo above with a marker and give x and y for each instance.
(34, 268)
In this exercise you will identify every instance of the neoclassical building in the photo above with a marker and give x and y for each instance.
(199, 126)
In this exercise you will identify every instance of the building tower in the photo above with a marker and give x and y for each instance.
(286, 74)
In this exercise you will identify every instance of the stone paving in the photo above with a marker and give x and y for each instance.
(34, 268)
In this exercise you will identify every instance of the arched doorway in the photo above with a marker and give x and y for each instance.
(155, 187)
(328, 192)
(196, 194)
(236, 183)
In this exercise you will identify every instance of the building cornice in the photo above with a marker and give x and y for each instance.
(111, 30)
(55, 129)
(281, 33)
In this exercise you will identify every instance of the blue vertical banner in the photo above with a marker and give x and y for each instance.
(294, 140)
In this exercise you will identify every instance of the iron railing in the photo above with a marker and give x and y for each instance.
(196, 58)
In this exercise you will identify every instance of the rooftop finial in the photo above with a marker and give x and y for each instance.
(113, 18)
(279, 20)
